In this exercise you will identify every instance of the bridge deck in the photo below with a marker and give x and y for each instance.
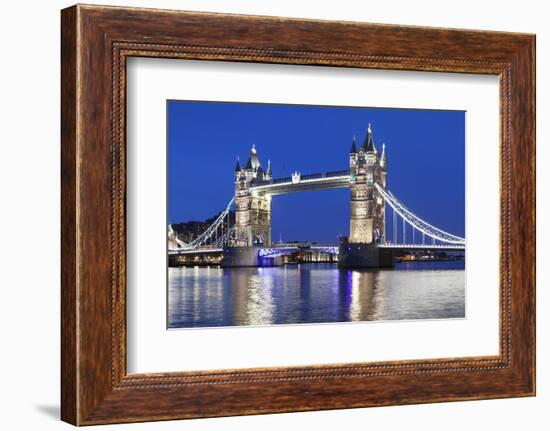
(195, 251)
(456, 247)
(323, 181)
(333, 249)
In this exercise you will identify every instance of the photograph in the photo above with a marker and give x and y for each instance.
(305, 214)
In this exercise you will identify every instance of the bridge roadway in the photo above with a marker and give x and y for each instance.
(280, 249)
(302, 183)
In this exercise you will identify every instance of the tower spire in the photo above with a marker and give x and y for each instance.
(353, 149)
(383, 156)
(238, 166)
(368, 144)
(253, 163)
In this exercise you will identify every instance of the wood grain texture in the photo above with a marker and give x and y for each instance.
(69, 367)
(96, 41)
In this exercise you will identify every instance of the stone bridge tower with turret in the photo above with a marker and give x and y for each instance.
(253, 211)
(367, 214)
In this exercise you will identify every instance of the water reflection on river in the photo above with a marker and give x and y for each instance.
(313, 293)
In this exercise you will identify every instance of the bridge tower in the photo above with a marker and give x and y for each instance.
(367, 215)
(253, 211)
(367, 167)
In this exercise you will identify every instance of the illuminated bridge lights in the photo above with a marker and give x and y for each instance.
(219, 233)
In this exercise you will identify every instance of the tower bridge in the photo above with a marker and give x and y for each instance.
(248, 241)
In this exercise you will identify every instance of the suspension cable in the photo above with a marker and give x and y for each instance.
(211, 230)
(417, 222)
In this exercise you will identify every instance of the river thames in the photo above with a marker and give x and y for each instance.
(313, 293)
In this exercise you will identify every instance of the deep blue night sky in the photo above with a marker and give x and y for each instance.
(425, 151)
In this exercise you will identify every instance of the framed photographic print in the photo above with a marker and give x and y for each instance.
(252, 274)
(268, 215)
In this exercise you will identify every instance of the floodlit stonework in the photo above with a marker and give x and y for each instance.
(253, 204)
(253, 210)
(367, 167)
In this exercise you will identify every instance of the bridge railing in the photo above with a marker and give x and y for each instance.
(294, 244)
(267, 182)
(337, 173)
(312, 176)
(316, 176)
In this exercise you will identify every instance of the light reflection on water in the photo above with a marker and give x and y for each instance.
(313, 293)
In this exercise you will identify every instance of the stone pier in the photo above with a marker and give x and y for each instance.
(247, 256)
(361, 255)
